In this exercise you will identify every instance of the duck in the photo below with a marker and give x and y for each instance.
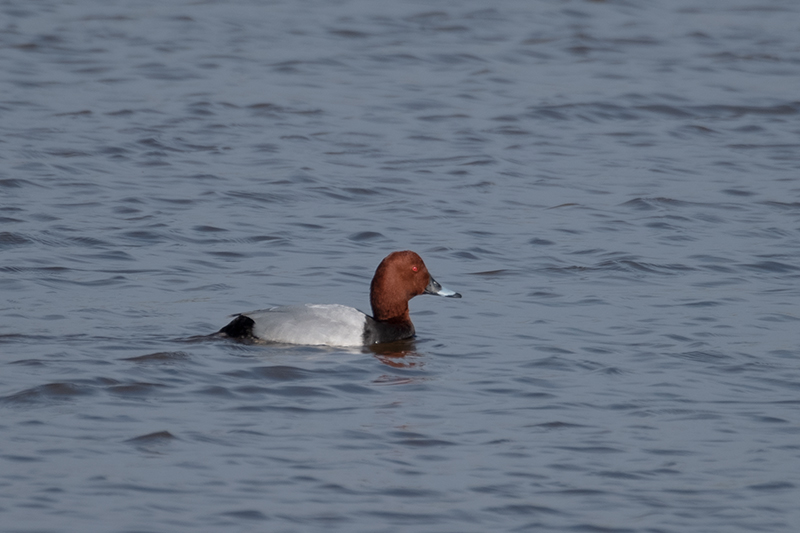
(401, 276)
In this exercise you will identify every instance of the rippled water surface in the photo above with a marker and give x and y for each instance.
(613, 186)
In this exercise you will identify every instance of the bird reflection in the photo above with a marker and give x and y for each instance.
(398, 354)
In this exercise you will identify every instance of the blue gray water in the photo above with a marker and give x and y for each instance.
(613, 186)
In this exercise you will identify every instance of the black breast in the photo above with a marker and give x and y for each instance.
(376, 332)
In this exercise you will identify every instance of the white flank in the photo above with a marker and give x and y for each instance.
(332, 324)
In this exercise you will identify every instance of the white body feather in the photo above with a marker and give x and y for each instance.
(329, 324)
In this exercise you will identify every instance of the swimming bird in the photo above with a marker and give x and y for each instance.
(399, 277)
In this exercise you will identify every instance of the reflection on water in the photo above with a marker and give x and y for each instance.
(400, 354)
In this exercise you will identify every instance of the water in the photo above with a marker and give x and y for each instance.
(613, 188)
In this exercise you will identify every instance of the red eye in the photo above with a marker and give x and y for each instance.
(414, 268)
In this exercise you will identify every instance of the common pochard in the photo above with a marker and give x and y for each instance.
(399, 277)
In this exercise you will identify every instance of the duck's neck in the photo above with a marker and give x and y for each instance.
(388, 303)
(388, 309)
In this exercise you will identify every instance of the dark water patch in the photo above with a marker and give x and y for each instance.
(362, 192)
(692, 130)
(273, 240)
(273, 373)
(159, 357)
(523, 509)
(349, 34)
(772, 267)
(104, 282)
(133, 488)
(615, 474)
(216, 391)
(506, 130)
(787, 147)
(287, 390)
(261, 197)
(352, 388)
(14, 458)
(593, 528)
(592, 449)
(115, 152)
(333, 487)
(789, 206)
(296, 391)
(205, 289)
(703, 303)
(770, 420)
(779, 318)
(208, 229)
(786, 354)
(428, 163)
(668, 452)
(661, 226)
(229, 255)
(23, 362)
(247, 514)
(587, 112)
(749, 368)
(410, 438)
(556, 424)
(773, 486)
(289, 409)
(679, 338)
(176, 201)
(539, 295)
(552, 362)
(667, 110)
(249, 432)
(143, 236)
(507, 490)
(135, 389)
(267, 109)
(268, 148)
(151, 142)
(66, 153)
(194, 147)
(442, 118)
(628, 265)
(703, 356)
(730, 111)
(602, 111)
(720, 282)
(662, 203)
(421, 442)
(157, 437)
(790, 382)
(365, 236)
(406, 518)
(36, 340)
(466, 255)
(48, 393)
(87, 241)
(703, 258)
(738, 192)
(252, 390)
(493, 274)
(16, 183)
(8, 239)
(405, 492)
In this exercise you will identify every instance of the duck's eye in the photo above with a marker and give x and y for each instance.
(414, 268)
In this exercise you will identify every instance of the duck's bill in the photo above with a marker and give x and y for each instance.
(434, 287)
